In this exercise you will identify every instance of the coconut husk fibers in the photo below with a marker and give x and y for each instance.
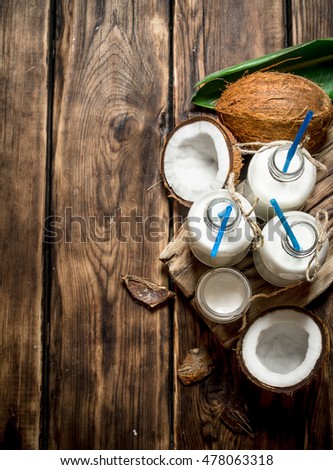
(196, 366)
(269, 106)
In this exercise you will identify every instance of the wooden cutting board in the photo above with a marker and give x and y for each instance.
(185, 270)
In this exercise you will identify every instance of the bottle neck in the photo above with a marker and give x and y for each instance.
(213, 214)
(276, 163)
(307, 236)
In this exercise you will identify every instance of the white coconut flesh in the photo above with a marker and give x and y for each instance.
(196, 160)
(281, 348)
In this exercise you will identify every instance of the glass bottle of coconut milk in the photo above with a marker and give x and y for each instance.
(204, 222)
(265, 179)
(277, 261)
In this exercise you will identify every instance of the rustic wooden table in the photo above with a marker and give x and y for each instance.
(90, 90)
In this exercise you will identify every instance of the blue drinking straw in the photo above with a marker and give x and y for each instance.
(285, 224)
(298, 138)
(219, 236)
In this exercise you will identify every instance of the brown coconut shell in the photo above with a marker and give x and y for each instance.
(236, 160)
(145, 292)
(269, 106)
(197, 365)
(316, 369)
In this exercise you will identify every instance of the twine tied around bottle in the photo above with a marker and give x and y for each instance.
(322, 222)
(247, 148)
(258, 239)
(314, 264)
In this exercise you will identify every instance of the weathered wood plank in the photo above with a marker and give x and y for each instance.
(23, 153)
(109, 357)
(208, 37)
(311, 20)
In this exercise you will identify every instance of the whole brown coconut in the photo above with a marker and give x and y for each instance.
(268, 106)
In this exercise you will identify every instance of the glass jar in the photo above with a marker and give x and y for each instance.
(277, 261)
(204, 221)
(223, 294)
(266, 180)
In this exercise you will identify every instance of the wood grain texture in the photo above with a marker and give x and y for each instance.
(109, 357)
(112, 363)
(23, 154)
(210, 37)
(311, 20)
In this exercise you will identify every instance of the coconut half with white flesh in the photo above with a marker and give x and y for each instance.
(198, 157)
(283, 349)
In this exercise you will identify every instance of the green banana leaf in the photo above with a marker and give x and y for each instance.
(312, 60)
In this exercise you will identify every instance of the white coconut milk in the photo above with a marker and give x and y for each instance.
(223, 294)
(277, 261)
(203, 224)
(266, 180)
(282, 347)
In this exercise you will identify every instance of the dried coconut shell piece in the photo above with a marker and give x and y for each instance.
(234, 415)
(198, 156)
(196, 366)
(146, 292)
